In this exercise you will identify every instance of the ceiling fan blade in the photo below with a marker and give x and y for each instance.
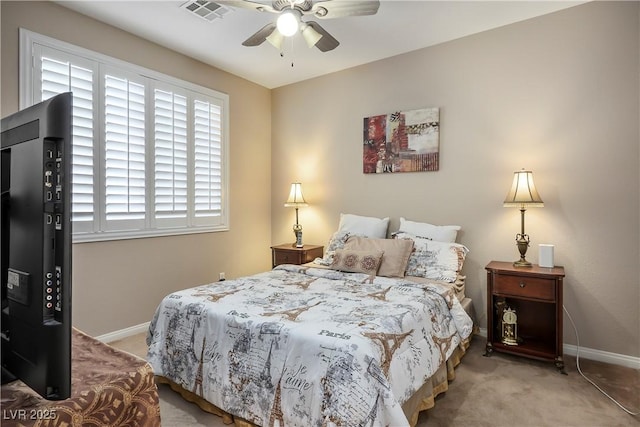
(247, 4)
(329, 9)
(327, 42)
(259, 37)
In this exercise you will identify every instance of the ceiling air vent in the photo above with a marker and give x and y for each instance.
(205, 9)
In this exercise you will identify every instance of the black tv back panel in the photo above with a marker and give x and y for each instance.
(36, 247)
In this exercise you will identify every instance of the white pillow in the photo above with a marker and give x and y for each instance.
(439, 233)
(433, 259)
(364, 225)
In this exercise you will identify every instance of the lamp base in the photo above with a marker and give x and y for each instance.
(297, 230)
(522, 263)
(522, 241)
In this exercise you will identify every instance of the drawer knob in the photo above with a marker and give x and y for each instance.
(522, 284)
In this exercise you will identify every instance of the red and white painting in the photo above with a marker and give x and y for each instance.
(404, 141)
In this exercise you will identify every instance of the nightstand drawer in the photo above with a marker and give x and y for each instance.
(287, 257)
(527, 287)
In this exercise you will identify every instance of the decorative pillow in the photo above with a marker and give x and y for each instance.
(396, 253)
(357, 261)
(337, 241)
(440, 233)
(364, 225)
(433, 259)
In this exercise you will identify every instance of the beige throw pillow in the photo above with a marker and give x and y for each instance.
(395, 256)
(357, 261)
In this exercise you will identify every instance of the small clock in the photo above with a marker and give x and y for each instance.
(509, 316)
(509, 327)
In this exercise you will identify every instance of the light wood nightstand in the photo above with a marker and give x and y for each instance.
(287, 253)
(535, 293)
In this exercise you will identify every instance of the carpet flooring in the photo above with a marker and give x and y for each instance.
(501, 390)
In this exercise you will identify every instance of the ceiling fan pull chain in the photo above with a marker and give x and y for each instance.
(292, 49)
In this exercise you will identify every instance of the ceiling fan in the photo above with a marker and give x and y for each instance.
(290, 21)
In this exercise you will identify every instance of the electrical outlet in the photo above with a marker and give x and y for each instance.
(221, 277)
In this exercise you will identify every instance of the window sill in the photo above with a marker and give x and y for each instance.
(143, 234)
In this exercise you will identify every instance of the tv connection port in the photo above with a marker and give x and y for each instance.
(47, 178)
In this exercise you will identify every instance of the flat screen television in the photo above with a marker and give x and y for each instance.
(35, 216)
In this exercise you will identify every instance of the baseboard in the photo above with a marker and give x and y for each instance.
(124, 333)
(603, 356)
(591, 354)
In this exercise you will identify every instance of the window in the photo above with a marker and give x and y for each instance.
(149, 150)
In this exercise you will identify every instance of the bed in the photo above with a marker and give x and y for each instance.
(108, 387)
(328, 343)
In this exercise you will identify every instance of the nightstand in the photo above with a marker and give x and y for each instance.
(288, 254)
(535, 293)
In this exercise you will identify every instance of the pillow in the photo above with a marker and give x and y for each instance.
(357, 261)
(396, 253)
(433, 259)
(440, 233)
(364, 225)
(337, 241)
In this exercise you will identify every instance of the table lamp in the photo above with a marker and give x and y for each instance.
(296, 200)
(523, 195)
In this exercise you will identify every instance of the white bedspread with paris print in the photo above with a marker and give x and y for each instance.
(302, 346)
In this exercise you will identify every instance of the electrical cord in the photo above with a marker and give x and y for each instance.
(584, 376)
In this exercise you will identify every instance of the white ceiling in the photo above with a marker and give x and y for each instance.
(398, 27)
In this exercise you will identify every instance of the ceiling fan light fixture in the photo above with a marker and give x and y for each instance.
(311, 36)
(275, 38)
(287, 23)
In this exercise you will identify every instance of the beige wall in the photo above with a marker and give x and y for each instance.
(558, 94)
(118, 284)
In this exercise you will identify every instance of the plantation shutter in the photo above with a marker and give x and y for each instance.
(208, 156)
(124, 133)
(150, 151)
(60, 72)
(170, 158)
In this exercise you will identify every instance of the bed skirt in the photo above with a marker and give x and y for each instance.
(422, 400)
(425, 397)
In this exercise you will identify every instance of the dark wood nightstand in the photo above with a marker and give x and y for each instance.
(535, 293)
(288, 254)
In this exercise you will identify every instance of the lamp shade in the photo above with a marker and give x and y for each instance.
(275, 38)
(296, 199)
(310, 35)
(523, 193)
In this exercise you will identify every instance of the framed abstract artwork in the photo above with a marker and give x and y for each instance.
(404, 141)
